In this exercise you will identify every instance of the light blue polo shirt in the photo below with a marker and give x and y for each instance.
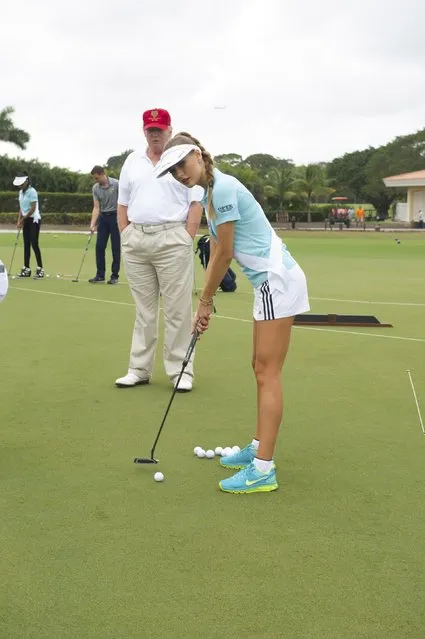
(253, 232)
(26, 199)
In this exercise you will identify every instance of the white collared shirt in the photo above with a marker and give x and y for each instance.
(152, 200)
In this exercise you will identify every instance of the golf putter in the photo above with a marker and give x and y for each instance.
(151, 459)
(14, 250)
(194, 280)
(84, 256)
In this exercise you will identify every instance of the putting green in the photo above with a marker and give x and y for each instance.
(93, 547)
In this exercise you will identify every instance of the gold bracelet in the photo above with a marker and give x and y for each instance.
(205, 302)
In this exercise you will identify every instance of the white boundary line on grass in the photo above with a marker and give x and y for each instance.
(334, 330)
(234, 319)
(63, 232)
(416, 401)
(76, 297)
(331, 299)
(334, 299)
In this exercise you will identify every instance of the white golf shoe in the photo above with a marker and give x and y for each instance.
(185, 384)
(130, 380)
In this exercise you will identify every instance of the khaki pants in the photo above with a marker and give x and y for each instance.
(159, 259)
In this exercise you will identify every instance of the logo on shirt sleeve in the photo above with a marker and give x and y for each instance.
(225, 209)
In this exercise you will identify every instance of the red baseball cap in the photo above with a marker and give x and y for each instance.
(156, 118)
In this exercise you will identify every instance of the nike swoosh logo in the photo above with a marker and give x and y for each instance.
(254, 481)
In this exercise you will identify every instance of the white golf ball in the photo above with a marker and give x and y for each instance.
(219, 450)
(195, 450)
(47, 275)
(227, 451)
(13, 277)
(58, 276)
(200, 453)
(209, 454)
(236, 449)
(158, 477)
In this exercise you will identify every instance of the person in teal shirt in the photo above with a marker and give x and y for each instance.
(29, 220)
(239, 229)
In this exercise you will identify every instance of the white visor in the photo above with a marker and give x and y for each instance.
(172, 156)
(19, 181)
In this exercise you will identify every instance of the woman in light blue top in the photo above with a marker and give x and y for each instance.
(239, 229)
(29, 220)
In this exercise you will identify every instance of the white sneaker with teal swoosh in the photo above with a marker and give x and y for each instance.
(250, 480)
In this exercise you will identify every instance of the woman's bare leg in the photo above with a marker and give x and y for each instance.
(271, 343)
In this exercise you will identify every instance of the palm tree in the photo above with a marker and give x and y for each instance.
(312, 182)
(280, 181)
(8, 131)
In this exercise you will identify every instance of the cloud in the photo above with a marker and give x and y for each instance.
(299, 79)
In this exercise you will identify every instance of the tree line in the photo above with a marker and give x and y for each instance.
(277, 183)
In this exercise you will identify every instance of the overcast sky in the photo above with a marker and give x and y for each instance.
(302, 79)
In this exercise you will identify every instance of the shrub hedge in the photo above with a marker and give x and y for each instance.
(75, 209)
(56, 219)
(50, 202)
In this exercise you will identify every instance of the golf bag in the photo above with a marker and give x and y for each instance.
(228, 283)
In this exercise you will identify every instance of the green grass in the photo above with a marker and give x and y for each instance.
(91, 547)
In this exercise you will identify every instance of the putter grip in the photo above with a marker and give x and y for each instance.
(191, 348)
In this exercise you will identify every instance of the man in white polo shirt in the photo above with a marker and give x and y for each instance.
(158, 220)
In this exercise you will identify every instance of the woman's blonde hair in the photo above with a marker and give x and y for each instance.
(186, 138)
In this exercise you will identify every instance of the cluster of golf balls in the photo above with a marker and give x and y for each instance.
(209, 454)
(219, 451)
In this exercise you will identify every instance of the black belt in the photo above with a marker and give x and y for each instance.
(108, 212)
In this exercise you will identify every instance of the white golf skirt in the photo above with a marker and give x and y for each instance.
(288, 299)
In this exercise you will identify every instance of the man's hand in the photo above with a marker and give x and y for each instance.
(193, 219)
(192, 231)
(122, 217)
(92, 228)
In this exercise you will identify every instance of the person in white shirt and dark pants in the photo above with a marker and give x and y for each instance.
(158, 220)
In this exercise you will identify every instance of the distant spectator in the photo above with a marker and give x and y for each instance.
(360, 215)
(420, 219)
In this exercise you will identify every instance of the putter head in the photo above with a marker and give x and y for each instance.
(145, 460)
(75, 280)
